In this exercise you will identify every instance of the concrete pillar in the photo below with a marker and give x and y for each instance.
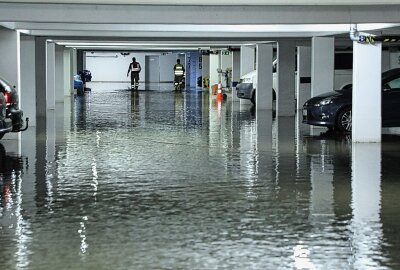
(247, 59)
(366, 204)
(59, 74)
(205, 69)
(40, 71)
(322, 65)
(74, 67)
(264, 77)
(235, 73)
(51, 75)
(67, 73)
(28, 80)
(366, 108)
(303, 77)
(285, 103)
(214, 65)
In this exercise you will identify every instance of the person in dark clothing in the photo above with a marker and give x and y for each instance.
(179, 72)
(134, 69)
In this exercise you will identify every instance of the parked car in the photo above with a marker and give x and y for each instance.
(333, 109)
(343, 74)
(10, 114)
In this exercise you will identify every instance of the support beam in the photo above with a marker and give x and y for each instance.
(235, 73)
(264, 77)
(59, 74)
(247, 59)
(367, 85)
(322, 65)
(51, 76)
(285, 102)
(28, 80)
(40, 71)
(205, 70)
(67, 72)
(303, 77)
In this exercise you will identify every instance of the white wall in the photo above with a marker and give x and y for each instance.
(167, 63)
(112, 66)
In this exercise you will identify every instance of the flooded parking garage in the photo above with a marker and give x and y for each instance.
(169, 180)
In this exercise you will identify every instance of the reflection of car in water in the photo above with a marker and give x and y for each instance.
(333, 109)
(9, 166)
(10, 114)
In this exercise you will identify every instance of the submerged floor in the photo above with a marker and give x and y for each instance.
(166, 180)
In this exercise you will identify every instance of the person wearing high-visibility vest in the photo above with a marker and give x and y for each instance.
(179, 72)
(134, 69)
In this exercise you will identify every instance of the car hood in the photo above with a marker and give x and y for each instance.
(336, 94)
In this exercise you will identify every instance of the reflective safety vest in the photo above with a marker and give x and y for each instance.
(178, 70)
(135, 67)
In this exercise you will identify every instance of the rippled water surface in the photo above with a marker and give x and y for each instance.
(165, 180)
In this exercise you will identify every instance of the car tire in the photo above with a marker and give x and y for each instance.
(344, 121)
(253, 97)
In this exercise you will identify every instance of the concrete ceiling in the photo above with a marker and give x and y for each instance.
(126, 25)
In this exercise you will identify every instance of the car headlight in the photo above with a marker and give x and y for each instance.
(324, 102)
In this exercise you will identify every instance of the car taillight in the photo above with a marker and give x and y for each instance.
(7, 97)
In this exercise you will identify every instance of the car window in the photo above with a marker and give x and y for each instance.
(394, 84)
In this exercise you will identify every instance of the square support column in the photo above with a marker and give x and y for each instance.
(285, 102)
(303, 77)
(59, 73)
(322, 65)
(67, 73)
(28, 80)
(205, 70)
(40, 71)
(247, 59)
(51, 76)
(264, 77)
(235, 73)
(367, 85)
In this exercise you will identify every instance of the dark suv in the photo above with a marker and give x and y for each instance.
(10, 114)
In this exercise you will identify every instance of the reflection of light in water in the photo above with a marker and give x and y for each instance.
(95, 177)
(22, 231)
(98, 139)
(82, 235)
(301, 256)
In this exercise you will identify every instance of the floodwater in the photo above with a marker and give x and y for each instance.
(164, 180)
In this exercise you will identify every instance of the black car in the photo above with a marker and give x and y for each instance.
(10, 114)
(333, 109)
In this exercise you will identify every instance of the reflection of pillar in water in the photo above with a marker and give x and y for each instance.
(366, 187)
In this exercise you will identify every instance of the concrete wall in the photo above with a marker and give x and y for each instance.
(112, 66)
(167, 63)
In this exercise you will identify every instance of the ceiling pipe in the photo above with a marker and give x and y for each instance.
(366, 38)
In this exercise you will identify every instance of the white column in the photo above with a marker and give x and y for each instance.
(59, 73)
(10, 68)
(40, 71)
(67, 73)
(247, 62)
(366, 108)
(51, 76)
(28, 79)
(214, 65)
(235, 73)
(322, 65)
(264, 77)
(205, 69)
(226, 63)
(385, 61)
(303, 77)
(366, 204)
(247, 59)
(285, 102)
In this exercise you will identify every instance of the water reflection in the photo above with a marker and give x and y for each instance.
(132, 176)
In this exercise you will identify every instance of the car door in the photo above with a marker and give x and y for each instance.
(391, 103)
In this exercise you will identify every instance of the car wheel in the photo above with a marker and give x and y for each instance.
(344, 122)
(253, 97)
